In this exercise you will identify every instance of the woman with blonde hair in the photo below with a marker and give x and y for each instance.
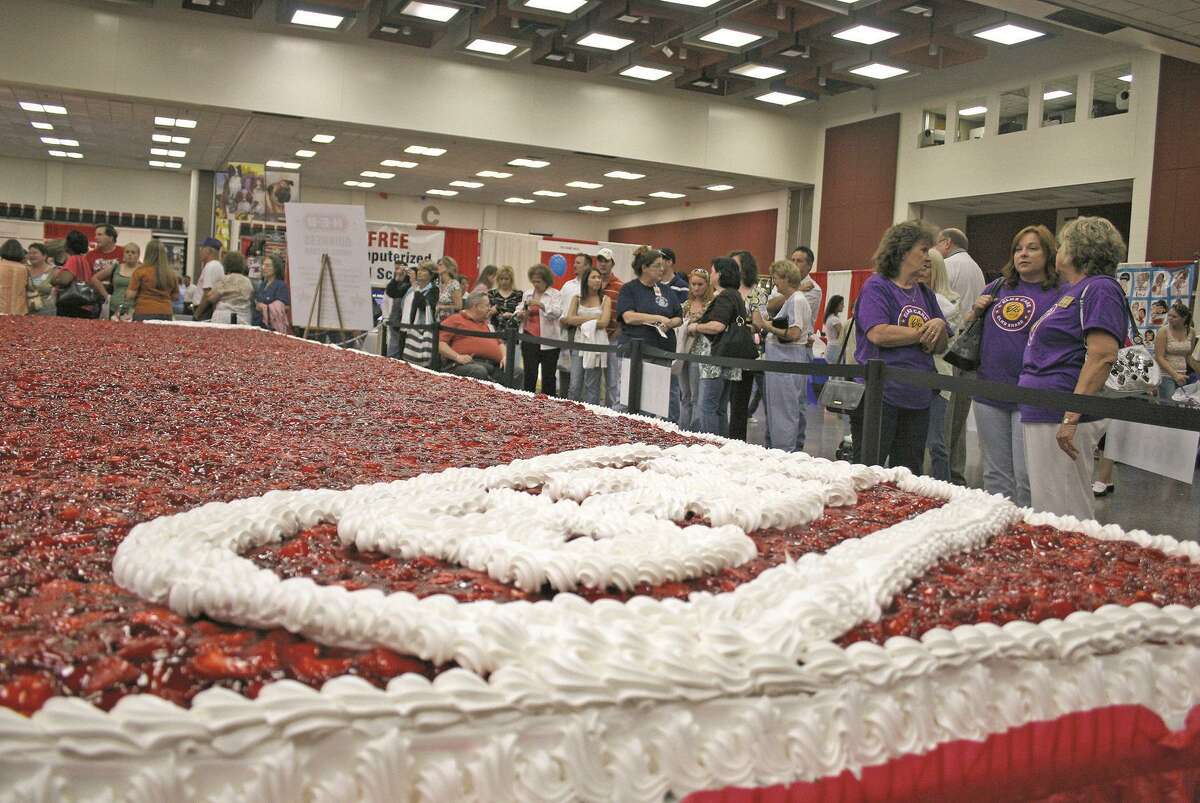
(1011, 306)
(505, 299)
(450, 290)
(153, 285)
(539, 313)
(936, 278)
(700, 295)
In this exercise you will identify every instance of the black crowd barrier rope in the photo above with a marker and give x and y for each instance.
(1140, 410)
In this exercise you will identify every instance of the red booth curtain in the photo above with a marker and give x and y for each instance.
(462, 245)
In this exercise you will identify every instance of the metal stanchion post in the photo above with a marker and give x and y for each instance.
(383, 337)
(510, 358)
(435, 359)
(872, 403)
(635, 376)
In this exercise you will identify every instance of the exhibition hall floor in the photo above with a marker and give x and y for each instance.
(1141, 501)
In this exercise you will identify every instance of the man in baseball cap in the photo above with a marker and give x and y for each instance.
(212, 271)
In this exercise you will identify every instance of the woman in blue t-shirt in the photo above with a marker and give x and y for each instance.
(1071, 348)
(899, 322)
(646, 312)
(1010, 306)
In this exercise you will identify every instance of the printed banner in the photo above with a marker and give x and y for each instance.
(400, 244)
(1152, 289)
(250, 192)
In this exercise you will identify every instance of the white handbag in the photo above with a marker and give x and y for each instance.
(1136, 372)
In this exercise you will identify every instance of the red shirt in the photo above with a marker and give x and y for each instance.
(488, 348)
(612, 290)
(99, 260)
(79, 267)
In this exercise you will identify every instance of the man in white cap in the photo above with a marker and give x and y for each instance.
(612, 288)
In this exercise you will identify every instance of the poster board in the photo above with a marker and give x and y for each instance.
(1152, 287)
(403, 245)
(339, 230)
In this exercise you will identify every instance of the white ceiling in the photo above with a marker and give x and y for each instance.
(1173, 19)
(116, 132)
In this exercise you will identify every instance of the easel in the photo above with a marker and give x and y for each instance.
(314, 310)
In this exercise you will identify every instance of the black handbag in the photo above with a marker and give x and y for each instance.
(963, 351)
(78, 295)
(738, 340)
(840, 395)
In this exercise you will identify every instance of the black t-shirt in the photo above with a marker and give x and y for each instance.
(724, 308)
(653, 300)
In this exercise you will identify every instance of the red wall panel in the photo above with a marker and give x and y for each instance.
(698, 240)
(858, 190)
(1175, 188)
(462, 245)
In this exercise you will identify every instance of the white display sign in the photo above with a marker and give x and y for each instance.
(339, 231)
(656, 387)
(400, 244)
(1159, 450)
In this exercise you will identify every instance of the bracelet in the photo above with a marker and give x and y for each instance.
(1067, 420)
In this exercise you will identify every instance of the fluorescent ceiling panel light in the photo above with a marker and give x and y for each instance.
(490, 46)
(470, 185)
(880, 72)
(389, 29)
(590, 208)
(584, 185)
(719, 187)
(665, 194)
(429, 11)
(161, 137)
(729, 37)
(643, 73)
(623, 202)
(177, 154)
(1126, 78)
(780, 98)
(376, 174)
(493, 174)
(74, 155)
(172, 165)
(306, 154)
(693, 3)
(972, 111)
(534, 163)
(169, 122)
(865, 35)
(516, 200)
(1053, 94)
(157, 163)
(30, 106)
(1008, 34)
(557, 6)
(759, 72)
(366, 185)
(446, 193)
(182, 123)
(624, 174)
(397, 163)
(284, 165)
(323, 138)
(181, 140)
(549, 193)
(422, 150)
(62, 154)
(158, 151)
(52, 109)
(315, 19)
(602, 41)
(42, 126)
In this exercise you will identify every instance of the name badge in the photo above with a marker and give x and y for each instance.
(1065, 302)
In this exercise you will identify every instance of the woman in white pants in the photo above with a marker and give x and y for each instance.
(1071, 348)
(1010, 306)
(784, 393)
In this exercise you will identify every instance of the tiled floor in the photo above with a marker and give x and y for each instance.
(1141, 500)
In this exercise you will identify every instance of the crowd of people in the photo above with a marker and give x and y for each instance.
(70, 278)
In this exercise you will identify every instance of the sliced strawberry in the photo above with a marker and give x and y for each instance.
(214, 663)
(26, 692)
(386, 664)
(305, 665)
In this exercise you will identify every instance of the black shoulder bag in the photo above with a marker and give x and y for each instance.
(738, 340)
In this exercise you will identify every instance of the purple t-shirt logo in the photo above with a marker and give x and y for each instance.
(912, 316)
(1013, 313)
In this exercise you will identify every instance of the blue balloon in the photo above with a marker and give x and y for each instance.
(558, 265)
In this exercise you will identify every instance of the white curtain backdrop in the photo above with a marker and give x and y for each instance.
(506, 248)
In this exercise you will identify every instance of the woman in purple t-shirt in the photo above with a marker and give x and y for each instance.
(898, 321)
(1030, 286)
(1071, 348)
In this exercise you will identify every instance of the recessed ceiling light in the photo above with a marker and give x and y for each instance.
(470, 185)
(169, 122)
(584, 185)
(549, 193)
(694, 3)
(917, 9)
(422, 150)
(557, 6)
(865, 35)
(493, 174)
(1126, 78)
(625, 174)
(323, 138)
(161, 137)
(181, 140)
(42, 126)
(157, 163)
(177, 154)
(172, 165)
(45, 108)
(306, 154)
(62, 154)
(780, 98)
(182, 123)
(283, 165)
(52, 109)
(534, 163)
(158, 151)
(603, 41)
(491, 46)
(447, 193)
(74, 155)
(376, 174)
(1008, 34)
(70, 143)
(643, 73)
(624, 202)
(590, 208)
(388, 29)
(665, 194)
(972, 111)
(1053, 94)
(397, 163)
(362, 184)
(516, 200)
(429, 11)
(730, 37)
(757, 71)
(315, 19)
(719, 187)
(880, 72)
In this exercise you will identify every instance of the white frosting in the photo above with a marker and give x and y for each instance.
(600, 701)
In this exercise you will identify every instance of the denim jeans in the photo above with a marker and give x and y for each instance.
(935, 440)
(613, 380)
(575, 386)
(589, 385)
(689, 397)
(714, 406)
